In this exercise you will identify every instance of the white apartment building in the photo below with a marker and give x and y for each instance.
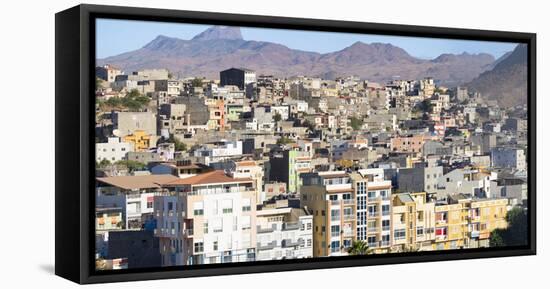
(113, 150)
(212, 218)
(134, 194)
(283, 233)
(219, 151)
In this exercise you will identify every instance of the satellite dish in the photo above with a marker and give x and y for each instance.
(116, 132)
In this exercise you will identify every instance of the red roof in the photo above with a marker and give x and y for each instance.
(213, 177)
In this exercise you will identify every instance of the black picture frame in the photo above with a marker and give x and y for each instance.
(75, 178)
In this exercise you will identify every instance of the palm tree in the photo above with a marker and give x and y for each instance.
(359, 248)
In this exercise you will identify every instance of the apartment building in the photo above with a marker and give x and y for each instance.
(329, 197)
(372, 194)
(140, 140)
(113, 150)
(251, 169)
(413, 223)
(207, 218)
(485, 215)
(287, 165)
(133, 194)
(283, 233)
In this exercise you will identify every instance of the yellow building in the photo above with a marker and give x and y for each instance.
(140, 139)
(467, 223)
(413, 222)
(484, 217)
(329, 197)
(451, 226)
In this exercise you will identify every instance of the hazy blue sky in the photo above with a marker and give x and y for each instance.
(118, 36)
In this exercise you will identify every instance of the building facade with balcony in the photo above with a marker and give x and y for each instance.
(329, 197)
(213, 219)
(413, 223)
(283, 233)
(132, 194)
(372, 193)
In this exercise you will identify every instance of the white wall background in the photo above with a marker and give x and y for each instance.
(27, 125)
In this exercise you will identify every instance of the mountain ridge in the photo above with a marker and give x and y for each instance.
(218, 48)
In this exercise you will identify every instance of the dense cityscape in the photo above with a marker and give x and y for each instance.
(251, 167)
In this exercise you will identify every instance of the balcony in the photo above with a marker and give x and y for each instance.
(261, 230)
(385, 228)
(334, 202)
(385, 213)
(349, 217)
(269, 246)
(348, 202)
(474, 234)
(384, 243)
(289, 243)
(188, 232)
(348, 233)
(291, 226)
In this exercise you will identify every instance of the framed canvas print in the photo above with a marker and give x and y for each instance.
(197, 144)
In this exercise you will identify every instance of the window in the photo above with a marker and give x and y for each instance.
(372, 210)
(335, 231)
(385, 225)
(372, 195)
(441, 216)
(205, 228)
(348, 212)
(217, 225)
(198, 209)
(308, 226)
(441, 231)
(333, 197)
(246, 205)
(371, 241)
(419, 231)
(227, 206)
(149, 205)
(170, 206)
(385, 240)
(334, 246)
(334, 215)
(399, 234)
(199, 247)
(371, 225)
(215, 246)
(385, 210)
(384, 194)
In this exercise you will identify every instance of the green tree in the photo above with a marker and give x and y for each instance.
(356, 123)
(132, 165)
(359, 248)
(197, 82)
(277, 117)
(516, 232)
(103, 163)
(496, 239)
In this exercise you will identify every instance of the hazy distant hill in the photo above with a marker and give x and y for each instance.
(507, 81)
(222, 47)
